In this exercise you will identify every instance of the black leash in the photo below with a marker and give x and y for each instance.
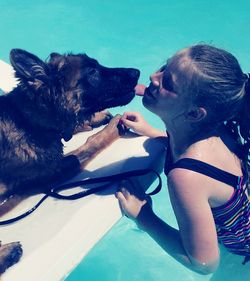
(54, 192)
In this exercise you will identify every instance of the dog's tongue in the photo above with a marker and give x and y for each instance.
(140, 89)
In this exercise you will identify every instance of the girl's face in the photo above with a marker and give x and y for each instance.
(163, 96)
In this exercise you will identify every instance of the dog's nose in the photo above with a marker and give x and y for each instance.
(134, 73)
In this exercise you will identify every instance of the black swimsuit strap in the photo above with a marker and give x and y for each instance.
(205, 169)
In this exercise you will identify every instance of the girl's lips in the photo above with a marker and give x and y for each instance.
(148, 93)
(140, 89)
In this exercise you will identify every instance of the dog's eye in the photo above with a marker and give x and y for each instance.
(93, 76)
(92, 71)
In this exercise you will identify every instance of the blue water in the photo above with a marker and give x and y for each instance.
(140, 34)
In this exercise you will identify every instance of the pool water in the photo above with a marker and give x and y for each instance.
(141, 34)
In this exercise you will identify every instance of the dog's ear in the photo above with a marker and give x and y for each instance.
(28, 66)
(54, 57)
(57, 61)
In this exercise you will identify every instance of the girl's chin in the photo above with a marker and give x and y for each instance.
(147, 103)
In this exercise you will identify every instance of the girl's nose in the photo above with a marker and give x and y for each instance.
(155, 78)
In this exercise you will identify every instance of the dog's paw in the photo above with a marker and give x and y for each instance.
(97, 120)
(9, 255)
(105, 137)
(100, 118)
(84, 127)
(114, 129)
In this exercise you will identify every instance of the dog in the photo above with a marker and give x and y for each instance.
(53, 100)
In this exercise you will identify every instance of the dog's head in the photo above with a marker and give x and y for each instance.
(68, 89)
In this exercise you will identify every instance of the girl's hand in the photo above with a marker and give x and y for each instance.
(129, 203)
(136, 122)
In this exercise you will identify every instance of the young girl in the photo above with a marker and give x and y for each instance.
(203, 97)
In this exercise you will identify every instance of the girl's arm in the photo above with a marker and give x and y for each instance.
(195, 243)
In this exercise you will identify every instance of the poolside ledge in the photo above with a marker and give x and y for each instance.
(60, 233)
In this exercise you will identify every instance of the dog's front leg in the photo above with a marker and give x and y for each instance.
(99, 141)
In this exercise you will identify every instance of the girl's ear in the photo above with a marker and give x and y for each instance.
(196, 114)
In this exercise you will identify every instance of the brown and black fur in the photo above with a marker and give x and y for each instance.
(52, 100)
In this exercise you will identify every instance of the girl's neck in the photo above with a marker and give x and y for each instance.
(182, 139)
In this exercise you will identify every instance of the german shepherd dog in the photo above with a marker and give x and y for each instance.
(51, 100)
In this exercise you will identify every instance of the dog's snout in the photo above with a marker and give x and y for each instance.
(135, 73)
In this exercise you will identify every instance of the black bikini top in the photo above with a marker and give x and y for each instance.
(203, 168)
(200, 167)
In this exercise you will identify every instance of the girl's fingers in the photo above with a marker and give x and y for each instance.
(132, 116)
(128, 123)
(129, 204)
(121, 198)
(125, 192)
